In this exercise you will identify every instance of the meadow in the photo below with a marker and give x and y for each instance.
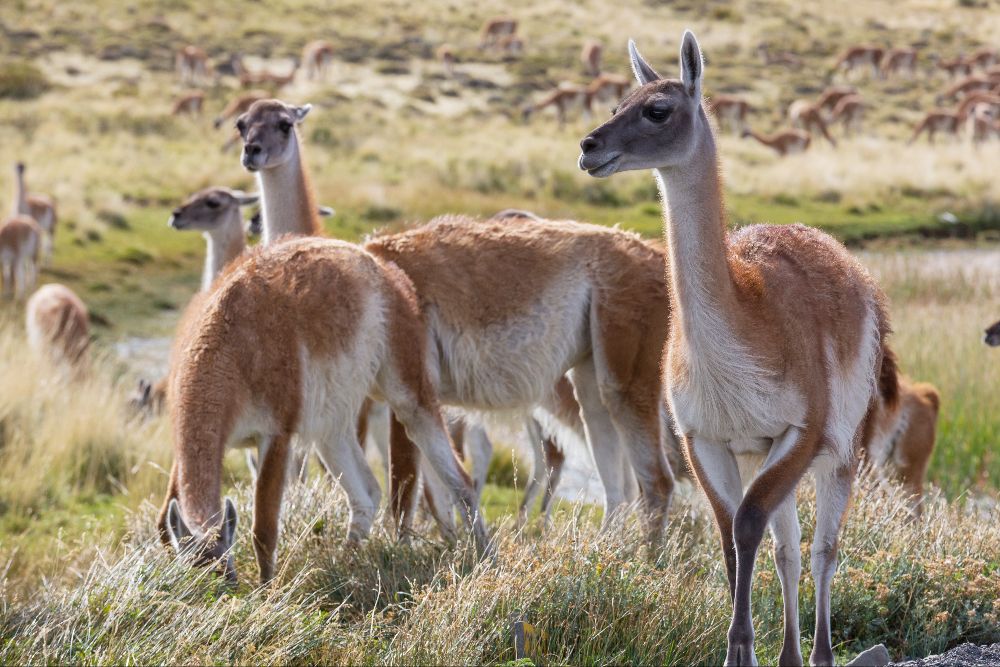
(85, 96)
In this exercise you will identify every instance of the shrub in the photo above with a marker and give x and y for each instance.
(21, 81)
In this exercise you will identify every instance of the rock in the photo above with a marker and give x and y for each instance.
(966, 655)
(876, 656)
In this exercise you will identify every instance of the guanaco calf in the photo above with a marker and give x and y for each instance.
(20, 240)
(39, 207)
(340, 324)
(782, 142)
(903, 438)
(189, 103)
(758, 396)
(58, 327)
(317, 56)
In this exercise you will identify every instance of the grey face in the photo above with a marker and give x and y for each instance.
(268, 133)
(992, 337)
(207, 210)
(654, 126)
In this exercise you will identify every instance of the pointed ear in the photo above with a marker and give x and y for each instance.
(301, 112)
(229, 523)
(643, 72)
(326, 211)
(177, 530)
(692, 65)
(147, 391)
(243, 198)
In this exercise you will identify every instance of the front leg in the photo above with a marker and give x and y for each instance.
(271, 477)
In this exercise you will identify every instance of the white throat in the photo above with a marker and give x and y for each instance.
(284, 198)
(224, 244)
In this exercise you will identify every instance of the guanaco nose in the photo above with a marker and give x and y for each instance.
(253, 149)
(589, 143)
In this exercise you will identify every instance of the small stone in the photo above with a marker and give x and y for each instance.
(876, 656)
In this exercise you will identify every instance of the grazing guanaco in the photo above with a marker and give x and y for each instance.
(992, 335)
(565, 96)
(600, 293)
(903, 438)
(37, 206)
(317, 56)
(446, 54)
(776, 357)
(938, 120)
(249, 79)
(189, 103)
(731, 109)
(604, 87)
(510, 44)
(899, 60)
(58, 326)
(849, 112)
(956, 67)
(340, 324)
(495, 29)
(966, 86)
(191, 64)
(983, 123)
(149, 399)
(809, 116)
(20, 240)
(984, 58)
(856, 58)
(828, 98)
(782, 58)
(782, 142)
(972, 100)
(590, 57)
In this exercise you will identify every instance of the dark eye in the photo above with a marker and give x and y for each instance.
(212, 203)
(241, 126)
(284, 126)
(658, 114)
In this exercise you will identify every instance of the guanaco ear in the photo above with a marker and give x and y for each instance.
(229, 523)
(243, 198)
(692, 65)
(643, 72)
(146, 389)
(177, 530)
(301, 112)
(326, 211)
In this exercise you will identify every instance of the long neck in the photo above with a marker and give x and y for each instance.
(224, 244)
(21, 200)
(287, 200)
(702, 285)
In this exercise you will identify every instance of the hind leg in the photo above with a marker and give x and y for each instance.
(270, 487)
(539, 475)
(8, 278)
(479, 448)
(554, 459)
(343, 457)
(404, 477)
(833, 492)
(602, 438)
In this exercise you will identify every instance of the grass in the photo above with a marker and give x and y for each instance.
(85, 93)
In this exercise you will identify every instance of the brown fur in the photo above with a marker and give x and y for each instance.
(189, 103)
(849, 112)
(858, 57)
(897, 60)
(495, 29)
(969, 84)
(731, 108)
(833, 94)
(971, 100)
(238, 105)
(59, 325)
(907, 429)
(938, 120)
(590, 58)
(782, 142)
(20, 242)
(810, 117)
(562, 98)
(605, 85)
(316, 56)
(302, 294)
(191, 64)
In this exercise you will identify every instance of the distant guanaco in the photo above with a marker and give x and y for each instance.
(783, 142)
(191, 64)
(899, 60)
(58, 326)
(189, 103)
(858, 57)
(849, 112)
(20, 240)
(938, 120)
(317, 57)
(39, 207)
(562, 98)
(809, 116)
(495, 29)
(590, 56)
(731, 109)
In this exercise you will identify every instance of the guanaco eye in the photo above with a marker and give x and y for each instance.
(212, 203)
(241, 127)
(658, 114)
(284, 126)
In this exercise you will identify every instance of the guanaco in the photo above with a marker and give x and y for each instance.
(58, 326)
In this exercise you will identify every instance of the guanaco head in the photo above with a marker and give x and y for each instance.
(19, 167)
(656, 125)
(992, 337)
(210, 209)
(211, 548)
(268, 133)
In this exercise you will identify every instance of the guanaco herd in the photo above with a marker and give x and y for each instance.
(773, 342)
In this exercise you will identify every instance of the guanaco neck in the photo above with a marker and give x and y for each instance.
(224, 244)
(703, 289)
(287, 200)
(21, 193)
